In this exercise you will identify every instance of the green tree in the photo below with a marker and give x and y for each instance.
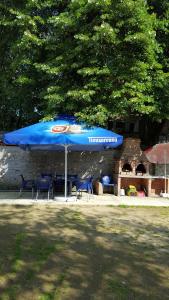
(20, 84)
(97, 59)
(102, 61)
(161, 84)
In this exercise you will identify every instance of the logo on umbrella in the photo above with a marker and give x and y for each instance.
(67, 129)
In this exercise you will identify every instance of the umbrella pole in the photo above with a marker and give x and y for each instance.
(66, 147)
(165, 172)
(165, 179)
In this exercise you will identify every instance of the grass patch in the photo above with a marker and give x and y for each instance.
(119, 289)
(53, 253)
(11, 293)
(48, 296)
(17, 262)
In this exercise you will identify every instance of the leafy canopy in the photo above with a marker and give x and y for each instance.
(97, 59)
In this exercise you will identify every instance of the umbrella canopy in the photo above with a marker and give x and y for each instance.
(61, 134)
(52, 135)
(158, 154)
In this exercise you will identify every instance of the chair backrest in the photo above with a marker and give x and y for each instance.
(90, 183)
(90, 179)
(72, 177)
(106, 179)
(85, 184)
(44, 183)
(58, 177)
(44, 175)
(22, 177)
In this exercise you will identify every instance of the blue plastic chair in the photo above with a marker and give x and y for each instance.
(84, 186)
(44, 185)
(107, 182)
(73, 178)
(26, 185)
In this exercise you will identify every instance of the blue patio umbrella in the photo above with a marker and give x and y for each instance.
(61, 134)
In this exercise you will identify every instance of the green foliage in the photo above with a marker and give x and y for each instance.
(96, 59)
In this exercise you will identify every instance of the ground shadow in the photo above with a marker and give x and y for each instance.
(51, 252)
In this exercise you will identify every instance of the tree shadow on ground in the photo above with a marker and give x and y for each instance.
(51, 253)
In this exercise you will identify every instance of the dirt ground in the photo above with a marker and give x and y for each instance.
(84, 253)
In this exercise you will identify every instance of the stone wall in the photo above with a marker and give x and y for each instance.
(15, 161)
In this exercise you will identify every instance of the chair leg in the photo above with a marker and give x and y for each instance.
(20, 192)
(79, 194)
(89, 193)
(32, 193)
(52, 193)
(37, 194)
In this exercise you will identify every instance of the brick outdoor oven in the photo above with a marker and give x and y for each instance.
(131, 160)
(132, 168)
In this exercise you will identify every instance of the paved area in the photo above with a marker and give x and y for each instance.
(106, 199)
